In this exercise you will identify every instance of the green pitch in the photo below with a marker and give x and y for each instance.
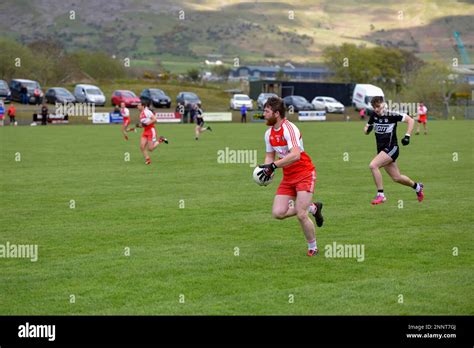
(189, 235)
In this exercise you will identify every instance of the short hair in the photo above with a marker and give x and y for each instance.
(276, 104)
(376, 101)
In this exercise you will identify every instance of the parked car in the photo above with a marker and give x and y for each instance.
(329, 104)
(128, 97)
(155, 97)
(89, 94)
(59, 95)
(363, 94)
(238, 100)
(187, 99)
(262, 99)
(15, 89)
(298, 103)
(5, 93)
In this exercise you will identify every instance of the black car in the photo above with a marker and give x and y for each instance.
(155, 97)
(15, 88)
(297, 103)
(187, 99)
(5, 93)
(59, 95)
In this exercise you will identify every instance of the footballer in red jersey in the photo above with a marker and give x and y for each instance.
(125, 113)
(295, 194)
(149, 139)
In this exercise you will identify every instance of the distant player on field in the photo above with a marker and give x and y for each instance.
(197, 112)
(385, 124)
(149, 140)
(422, 111)
(284, 139)
(125, 113)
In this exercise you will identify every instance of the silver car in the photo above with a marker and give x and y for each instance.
(262, 99)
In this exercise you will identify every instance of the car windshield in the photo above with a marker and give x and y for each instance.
(31, 85)
(241, 97)
(3, 84)
(128, 94)
(190, 96)
(330, 100)
(63, 92)
(157, 92)
(93, 91)
(300, 99)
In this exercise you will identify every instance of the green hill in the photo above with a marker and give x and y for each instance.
(180, 34)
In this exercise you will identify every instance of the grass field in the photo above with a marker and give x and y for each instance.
(183, 216)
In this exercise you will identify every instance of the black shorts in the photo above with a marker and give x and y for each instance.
(199, 121)
(12, 118)
(392, 151)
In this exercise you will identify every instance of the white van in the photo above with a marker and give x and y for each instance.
(363, 94)
(89, 94)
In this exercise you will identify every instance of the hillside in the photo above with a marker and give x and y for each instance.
(181, 33)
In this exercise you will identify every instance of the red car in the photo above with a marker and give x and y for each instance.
(130, 99)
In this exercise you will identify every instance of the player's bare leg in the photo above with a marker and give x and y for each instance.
(303, 201)
(381, 160)
(143, 148)
(425, 129)
(282, 208)
(394, 172)
(124, 131)
(417, 128)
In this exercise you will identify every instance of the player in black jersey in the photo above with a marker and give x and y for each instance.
(384, 122)
(197, 112)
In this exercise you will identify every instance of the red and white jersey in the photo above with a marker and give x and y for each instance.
(146, 114)
(282, 140)
(125, 112)
(422, 110)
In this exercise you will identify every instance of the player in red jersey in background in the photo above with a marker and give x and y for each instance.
(149, 140)
(125, 113)
(284, 139)
(422, 111)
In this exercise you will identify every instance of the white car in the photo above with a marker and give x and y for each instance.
(329, 104)
(241, 99)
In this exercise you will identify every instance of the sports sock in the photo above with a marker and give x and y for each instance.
(417, 187)
(313, 208)
(312, 245)
(380, 193)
